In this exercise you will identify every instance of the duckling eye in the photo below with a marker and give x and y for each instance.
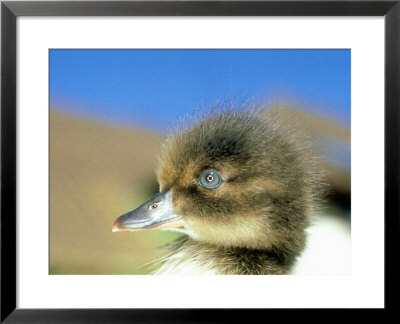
(210, 179)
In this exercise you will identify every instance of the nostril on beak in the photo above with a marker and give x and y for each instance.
(153, 206)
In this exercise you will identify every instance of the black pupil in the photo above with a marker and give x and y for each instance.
(210, 178)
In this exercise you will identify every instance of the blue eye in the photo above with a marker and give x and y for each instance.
(210, 179)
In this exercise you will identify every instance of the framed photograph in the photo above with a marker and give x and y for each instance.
(188, 161)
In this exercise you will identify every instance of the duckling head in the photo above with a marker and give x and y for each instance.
(235, 179)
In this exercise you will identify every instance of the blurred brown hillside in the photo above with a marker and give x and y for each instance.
(98, 172)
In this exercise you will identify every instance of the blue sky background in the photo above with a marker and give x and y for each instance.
(153, 88)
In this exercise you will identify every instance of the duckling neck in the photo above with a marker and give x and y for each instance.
(187, 256)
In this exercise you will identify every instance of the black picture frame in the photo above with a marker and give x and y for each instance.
(10, 10)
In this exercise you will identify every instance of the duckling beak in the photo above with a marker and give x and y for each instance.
(156, 213)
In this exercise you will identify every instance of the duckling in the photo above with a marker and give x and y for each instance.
(241, 185)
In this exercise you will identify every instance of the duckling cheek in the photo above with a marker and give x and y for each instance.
(235, 232)
(181, 203)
